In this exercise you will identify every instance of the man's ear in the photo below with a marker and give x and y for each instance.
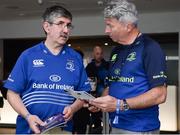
(129, 27)
(46, 27)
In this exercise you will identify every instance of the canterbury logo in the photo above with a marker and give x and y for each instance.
(38, 63)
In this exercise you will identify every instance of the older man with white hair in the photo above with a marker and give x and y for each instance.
(137, 80)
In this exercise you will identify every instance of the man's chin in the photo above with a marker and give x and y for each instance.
(63, 41)
(112, 39)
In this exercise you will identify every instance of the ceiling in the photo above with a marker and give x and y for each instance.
(24, 9)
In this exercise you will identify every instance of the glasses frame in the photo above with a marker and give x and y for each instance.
(61, 24)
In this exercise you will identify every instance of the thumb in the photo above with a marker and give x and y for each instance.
(65, 110)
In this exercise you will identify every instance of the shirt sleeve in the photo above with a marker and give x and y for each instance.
(17, 78)
(155, 65)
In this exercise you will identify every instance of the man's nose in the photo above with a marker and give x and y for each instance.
(107, 30)
(65, 29)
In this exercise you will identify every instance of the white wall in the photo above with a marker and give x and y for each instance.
(91, 25)
(21, 29)
(160, 22)
(8, 115)
(168, 110)
(178, 94)
(1, 59)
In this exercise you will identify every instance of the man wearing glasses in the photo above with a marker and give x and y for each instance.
(41, 74)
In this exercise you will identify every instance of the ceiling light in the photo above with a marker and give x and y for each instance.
(40, 2)
(56, 2)
(100, 2)
(21, 14)
(105, 44)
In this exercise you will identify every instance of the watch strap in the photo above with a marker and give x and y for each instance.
(125, 105)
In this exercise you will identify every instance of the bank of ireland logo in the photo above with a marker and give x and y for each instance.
(131, 56)
(117, 71)
(114, 57)
(38, 63)
(55, 78)
(70, 65)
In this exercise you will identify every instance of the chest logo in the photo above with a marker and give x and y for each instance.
(38, 63)
(55, 78)
(70, 65)
(131, 56)
(117, 71)
(114, 58)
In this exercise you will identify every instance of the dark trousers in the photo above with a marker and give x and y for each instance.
(95, 123)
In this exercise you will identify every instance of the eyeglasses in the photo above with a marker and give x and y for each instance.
(62, 24)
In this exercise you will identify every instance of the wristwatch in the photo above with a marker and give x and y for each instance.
(125, 105)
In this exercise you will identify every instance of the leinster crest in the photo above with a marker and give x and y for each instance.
(70, 65)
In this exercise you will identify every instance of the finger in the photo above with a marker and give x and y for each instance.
(65, 110)
(67, 117)
(96, 104)
(35, 128)
(66, 113)
(103, 110)
(40, 122)
(85, 105)
(93, 109)
(92, 103)
(99, 99)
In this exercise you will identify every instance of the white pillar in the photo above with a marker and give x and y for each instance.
(179, 89)
(1, 59)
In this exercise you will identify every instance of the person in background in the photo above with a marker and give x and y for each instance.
(137, 74)
(41, 74)
(97, 69)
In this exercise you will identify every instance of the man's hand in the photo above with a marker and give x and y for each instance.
(68, 113)
(34, 122)
(106, 103)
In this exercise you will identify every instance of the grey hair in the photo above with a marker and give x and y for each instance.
(122, 10)
(54, 12)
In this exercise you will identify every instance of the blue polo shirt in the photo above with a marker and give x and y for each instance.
(134, 70)
(41, 78)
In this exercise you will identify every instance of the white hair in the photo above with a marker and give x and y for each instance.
(122, 10)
